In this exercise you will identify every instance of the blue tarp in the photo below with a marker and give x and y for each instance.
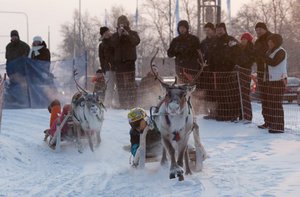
(30, 84)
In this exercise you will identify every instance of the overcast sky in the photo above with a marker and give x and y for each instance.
(52, 13)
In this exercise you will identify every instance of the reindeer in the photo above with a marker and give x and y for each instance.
(175, 120)
(87, 115)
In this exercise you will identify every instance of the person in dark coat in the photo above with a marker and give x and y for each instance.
(39, 50)
(16, 48)
(245, 61)
(124, 42)
(106, 50)
(260, 48)
(222, 64)
(207, 44)
(106, 57)
(207, 78)
(185, 48)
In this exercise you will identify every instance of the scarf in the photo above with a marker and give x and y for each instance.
(35, 50)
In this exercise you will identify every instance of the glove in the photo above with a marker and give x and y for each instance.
(150, 124)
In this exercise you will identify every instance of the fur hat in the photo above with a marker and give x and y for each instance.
(247, 36)
(222, 25)
(14, 33)
(103, 30)
(123, 20)
(209, 25)
(276, 39)
(261, 25)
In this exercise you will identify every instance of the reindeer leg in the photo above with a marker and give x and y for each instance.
(201, 154)
(98, 135)
(171, 152)
(164, 159)
(179, 169)
(78, 136)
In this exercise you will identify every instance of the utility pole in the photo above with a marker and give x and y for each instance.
(49, 38)
(79, 26)
(199, 19)
(170, 21)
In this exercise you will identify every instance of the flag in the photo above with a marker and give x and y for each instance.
(137, 13)
(105, 18)
(177, 14)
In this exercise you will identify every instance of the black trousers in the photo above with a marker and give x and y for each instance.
(227, 96)
(245, 80)
(263, 88)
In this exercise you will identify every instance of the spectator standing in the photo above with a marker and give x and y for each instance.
(124, 43)
(16, 48)
(245, 61)
(207, 79)
(106, 57)
(185, 48)
(276, 61)
(39, 50)
(261, 47)
(222, 62)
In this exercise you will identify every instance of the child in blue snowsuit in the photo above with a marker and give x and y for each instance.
(138, 121)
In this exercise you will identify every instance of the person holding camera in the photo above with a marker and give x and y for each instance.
(124, 42)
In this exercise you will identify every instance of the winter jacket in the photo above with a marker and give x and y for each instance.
(223, 58)
(100, 86)
(184, 49)
(260, 49)
(206, 47)
(125, 50)
(42, 54)
(153, 138)
(16, 49)
(277, 64)
(106, 55)
(246, 56)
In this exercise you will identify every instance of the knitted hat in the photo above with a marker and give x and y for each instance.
(123, 20)
(14, 33)
(103, 30)
(221, 25)
(209, 25)
(99, 70)
(261, 25)
(247, 36)
(37, 39)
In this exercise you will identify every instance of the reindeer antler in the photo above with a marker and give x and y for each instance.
(79, 88)
(156, 73)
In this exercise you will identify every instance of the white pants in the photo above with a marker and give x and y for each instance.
(111, 94)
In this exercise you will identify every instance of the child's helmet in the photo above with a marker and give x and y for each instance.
(136, 114)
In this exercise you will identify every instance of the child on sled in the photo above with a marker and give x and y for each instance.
(56, 116)
(140, 123)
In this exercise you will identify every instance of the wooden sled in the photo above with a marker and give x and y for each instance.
(74, 134)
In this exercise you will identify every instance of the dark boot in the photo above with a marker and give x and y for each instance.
(275, 131)
(263, 126)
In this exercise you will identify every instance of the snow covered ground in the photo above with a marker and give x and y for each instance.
(244, 161)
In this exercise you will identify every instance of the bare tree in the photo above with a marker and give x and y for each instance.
(88, 41)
